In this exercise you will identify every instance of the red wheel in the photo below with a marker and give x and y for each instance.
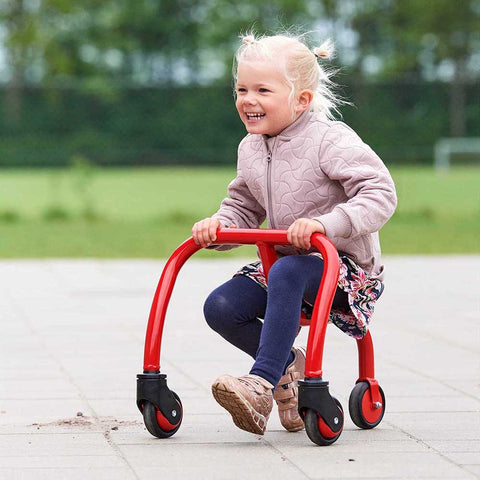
(317, 429)
(363, 412)
(156, 422)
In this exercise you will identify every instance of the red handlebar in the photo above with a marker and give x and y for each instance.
(265, 240)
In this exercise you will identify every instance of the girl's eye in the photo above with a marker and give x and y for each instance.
(241, 90)
(263, 90)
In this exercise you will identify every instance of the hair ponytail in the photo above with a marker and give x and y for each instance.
(325, 51)
(246, 39)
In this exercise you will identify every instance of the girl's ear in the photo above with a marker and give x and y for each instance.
(304, 100)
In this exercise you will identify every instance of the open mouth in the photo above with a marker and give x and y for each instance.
(254, 116)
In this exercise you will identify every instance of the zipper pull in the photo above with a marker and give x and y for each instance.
(269, 156)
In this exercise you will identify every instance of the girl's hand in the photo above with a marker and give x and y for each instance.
(301, 230)
(204, 232)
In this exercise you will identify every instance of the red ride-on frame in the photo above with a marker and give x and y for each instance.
(323, 415)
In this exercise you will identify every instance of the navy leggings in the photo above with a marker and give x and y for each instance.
(235, 308)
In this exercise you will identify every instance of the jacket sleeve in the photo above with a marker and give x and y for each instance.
(368, 185)
(240, 208)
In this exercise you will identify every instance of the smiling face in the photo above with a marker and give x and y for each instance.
(264, 101)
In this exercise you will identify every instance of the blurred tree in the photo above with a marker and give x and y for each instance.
(97, 45)
(440, 42)
(159, 39)
(43, 41)
(225, 20)
(418, 41)
(18, 36)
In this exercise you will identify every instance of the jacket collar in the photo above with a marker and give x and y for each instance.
(294, 129)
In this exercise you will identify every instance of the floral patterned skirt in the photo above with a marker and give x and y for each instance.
(362, 291)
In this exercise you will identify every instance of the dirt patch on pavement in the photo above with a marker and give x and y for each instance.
(88, 423)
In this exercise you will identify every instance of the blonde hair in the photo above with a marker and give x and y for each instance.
(302, 70)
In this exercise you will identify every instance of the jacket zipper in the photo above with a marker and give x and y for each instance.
(269, 187)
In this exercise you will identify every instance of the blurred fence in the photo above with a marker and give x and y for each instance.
(199, 125)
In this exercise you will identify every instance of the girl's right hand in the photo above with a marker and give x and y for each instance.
(204, 232)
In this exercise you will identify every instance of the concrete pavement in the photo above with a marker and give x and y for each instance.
(71, 344)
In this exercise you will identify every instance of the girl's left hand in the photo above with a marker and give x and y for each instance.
(301, 230)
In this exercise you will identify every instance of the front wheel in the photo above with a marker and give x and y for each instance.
(317, 429)
(156, 422)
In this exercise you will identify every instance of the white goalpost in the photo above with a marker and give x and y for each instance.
(446, 147)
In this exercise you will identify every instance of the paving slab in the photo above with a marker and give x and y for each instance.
(72, 343)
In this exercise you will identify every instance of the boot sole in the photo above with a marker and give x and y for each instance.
(243, 414)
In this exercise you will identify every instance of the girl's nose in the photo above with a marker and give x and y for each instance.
(250, 99)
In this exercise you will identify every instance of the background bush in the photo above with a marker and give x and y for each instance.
(199, 125)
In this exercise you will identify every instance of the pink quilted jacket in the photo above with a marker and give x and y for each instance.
(318, 169)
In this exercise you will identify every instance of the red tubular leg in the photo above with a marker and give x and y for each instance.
(268, 256)
(162, 296)
(366, 367)
(323, 304)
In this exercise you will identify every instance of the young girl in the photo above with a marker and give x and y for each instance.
(305, 173)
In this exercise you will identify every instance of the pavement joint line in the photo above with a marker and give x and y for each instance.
(432, 449)
(285, 458)
(187, 375)
(416, 332)
(428, 377)
(119, 453)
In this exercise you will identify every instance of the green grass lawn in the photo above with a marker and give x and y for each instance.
(147, 212)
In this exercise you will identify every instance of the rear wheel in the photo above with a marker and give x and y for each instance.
(363, 412)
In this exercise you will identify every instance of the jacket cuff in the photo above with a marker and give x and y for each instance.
(336, 224)
(224, 221)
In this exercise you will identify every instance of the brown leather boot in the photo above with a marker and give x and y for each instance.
(286, 392)
(248, 399)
